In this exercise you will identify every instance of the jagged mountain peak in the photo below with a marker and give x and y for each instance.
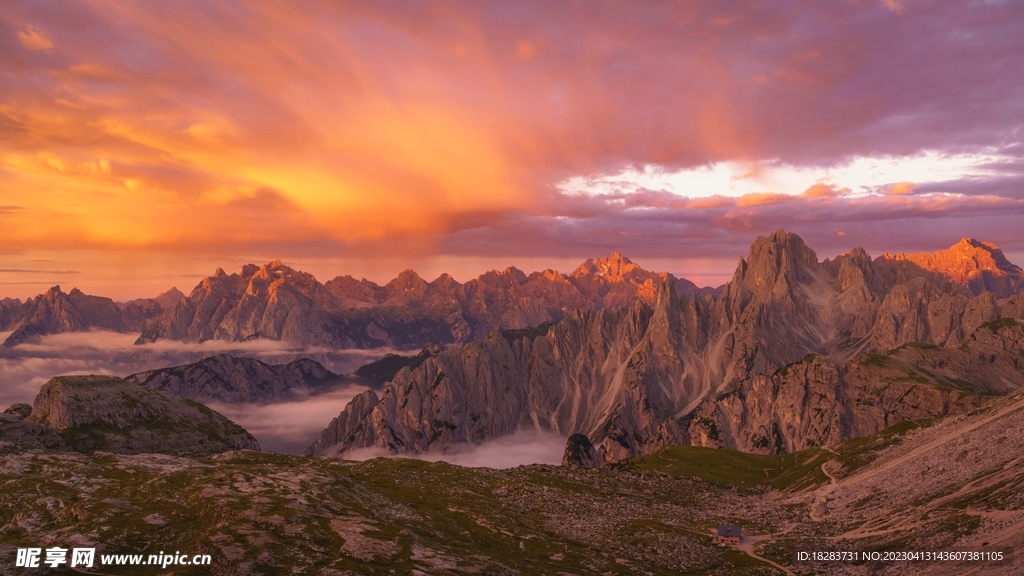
(776, 265)
(615, 266)
(967, 243)
(977, 265)
(408, 273)
(170, 297)
(55, 312)
(406, 281)
(508, 277)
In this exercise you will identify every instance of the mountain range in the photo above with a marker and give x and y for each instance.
(234, 380)
(56, 312)
(793, 353)
(276, 302)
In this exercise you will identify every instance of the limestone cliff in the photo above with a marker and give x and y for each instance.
(784, 358)
(278, 303)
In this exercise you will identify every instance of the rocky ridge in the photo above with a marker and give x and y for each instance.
(980, 266)
(56, 312)
(794, 353)
(277, 302)
(104, 413)
(236, 380)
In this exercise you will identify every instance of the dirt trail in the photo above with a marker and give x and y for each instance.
(747, 547)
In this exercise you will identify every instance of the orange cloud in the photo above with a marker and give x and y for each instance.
(763, 199)
(821, 190)
(32, 38)
(240, 128)
(900, 189)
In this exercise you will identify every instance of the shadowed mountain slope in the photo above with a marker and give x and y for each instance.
(234, 380)
(794, 353)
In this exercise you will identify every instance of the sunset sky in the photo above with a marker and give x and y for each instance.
(142, 145)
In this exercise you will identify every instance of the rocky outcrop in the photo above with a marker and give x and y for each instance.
(580, 453)
(1014, 308)
(816, 402)
(773, 364)
(279, 303)
(233, 380)
(17, 436)
(19, 410)
(103, 413)
(10, 312)
(980, 266)
(341, 433)
(55, 312)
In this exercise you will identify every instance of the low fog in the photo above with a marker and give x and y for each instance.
(26, 367)
(288, 427)
(524, 447)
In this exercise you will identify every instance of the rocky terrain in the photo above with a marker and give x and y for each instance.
(943, 484)
(794, 353)
(980, 266)
(55, 312)
(90, 413)
(278, 303)
(236, 380)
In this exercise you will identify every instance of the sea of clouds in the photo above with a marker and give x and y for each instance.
(286, 427)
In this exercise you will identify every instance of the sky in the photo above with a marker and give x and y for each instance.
(143, 145)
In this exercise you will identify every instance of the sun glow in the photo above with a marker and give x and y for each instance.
(857, 177)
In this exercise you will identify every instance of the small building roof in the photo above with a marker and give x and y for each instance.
(728, 530)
